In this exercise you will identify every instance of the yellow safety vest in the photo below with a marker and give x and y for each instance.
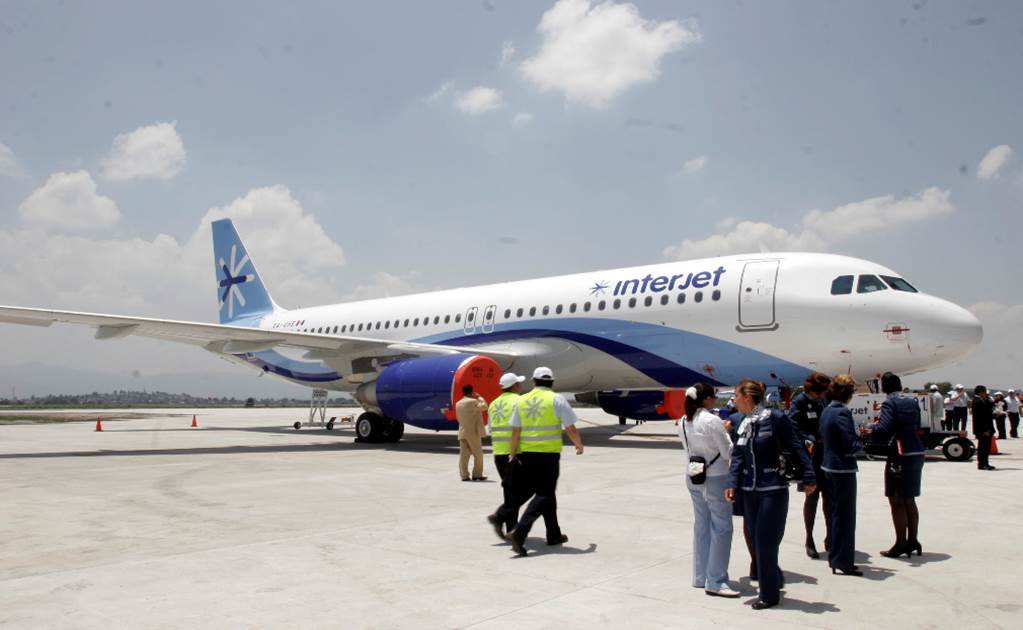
(541, 428)
(500, 413)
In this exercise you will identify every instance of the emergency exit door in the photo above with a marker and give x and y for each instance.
(756, 295)
(488, 318)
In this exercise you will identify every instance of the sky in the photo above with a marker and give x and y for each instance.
(380, 148)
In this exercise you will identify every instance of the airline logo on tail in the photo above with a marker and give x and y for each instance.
(233, 278)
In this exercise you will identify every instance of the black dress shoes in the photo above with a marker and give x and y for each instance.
(496, 524)
(560, 540)
(761, 604)
(517, 542)
(853, 570)
(811, 550)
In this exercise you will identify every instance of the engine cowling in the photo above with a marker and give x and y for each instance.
(423, 391)
(642, 405)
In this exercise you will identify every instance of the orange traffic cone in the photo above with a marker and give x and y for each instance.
(99, 423)
(194, 424)
(994, 445)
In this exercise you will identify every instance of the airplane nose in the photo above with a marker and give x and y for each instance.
(955, 330)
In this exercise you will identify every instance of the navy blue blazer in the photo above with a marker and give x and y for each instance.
(755, 454)
(900, 417)
(805, 414)
(838, 431)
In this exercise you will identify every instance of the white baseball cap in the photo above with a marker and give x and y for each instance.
(543, 373)
(510, 378)
(959, 386)
(934, 388)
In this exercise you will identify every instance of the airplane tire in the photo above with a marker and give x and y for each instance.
(957, 449)
(394, 431)
(621, 419)
(297, 425)
(330, 425)
(369, 427)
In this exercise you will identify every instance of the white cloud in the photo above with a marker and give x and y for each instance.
(385, 284)
(8, 165)
(439, 93)
(695, 165)
(594, 53)
(69, 202)
(521, 119)
(478, 100)
(819, 229)
(507, 52)
(155, 151)
(991, 165)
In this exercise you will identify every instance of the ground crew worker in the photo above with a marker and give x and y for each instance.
(937, 406)
(500, 413)
(469, 412)
(536, 424)
(960, 402)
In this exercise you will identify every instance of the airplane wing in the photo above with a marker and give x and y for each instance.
(226, 339)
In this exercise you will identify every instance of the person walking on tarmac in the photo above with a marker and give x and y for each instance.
(764, 436)
(536, 424)
(500, 413)
(805, 413)
(983, 425)
(469, 412)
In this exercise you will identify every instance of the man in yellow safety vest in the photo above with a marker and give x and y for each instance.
(500, 413)
(536, 424)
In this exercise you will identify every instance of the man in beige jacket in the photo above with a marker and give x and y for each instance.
(469, 411)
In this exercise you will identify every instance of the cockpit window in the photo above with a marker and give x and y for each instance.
(899, 284)
(842, 285)
(869, 284)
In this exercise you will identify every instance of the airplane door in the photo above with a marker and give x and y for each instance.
(756, 295)
(470, 320)
(488, 318)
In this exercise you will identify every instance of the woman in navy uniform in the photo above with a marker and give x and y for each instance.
(805, 414)
(899, 421)
(763, 436)
(840, 447)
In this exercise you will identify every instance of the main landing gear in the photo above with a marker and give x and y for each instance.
(372, 427)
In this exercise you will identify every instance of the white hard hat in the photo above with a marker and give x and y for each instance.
(934, 388)
(543, 373)
(959, 386)
(510, 378)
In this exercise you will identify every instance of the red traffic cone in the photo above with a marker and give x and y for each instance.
(99, 423)
(994, 445)
(194, 424)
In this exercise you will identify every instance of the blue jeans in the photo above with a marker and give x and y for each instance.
(712, 533)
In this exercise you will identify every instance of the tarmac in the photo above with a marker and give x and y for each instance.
(245, 522)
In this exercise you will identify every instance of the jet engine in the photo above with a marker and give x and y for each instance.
(638, 405)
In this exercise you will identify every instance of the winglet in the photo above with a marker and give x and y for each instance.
(240, 290)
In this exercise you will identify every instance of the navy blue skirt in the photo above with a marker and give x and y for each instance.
(907, 482)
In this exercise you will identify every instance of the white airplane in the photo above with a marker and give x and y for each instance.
(630, 339)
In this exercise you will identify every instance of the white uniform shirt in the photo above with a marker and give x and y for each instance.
(562, 410)
(1012, 404)
(707, 438)
(937, 407)
(960, 399)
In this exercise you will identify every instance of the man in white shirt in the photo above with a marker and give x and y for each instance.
(937, 406)
(960, 401)
(1012, 408)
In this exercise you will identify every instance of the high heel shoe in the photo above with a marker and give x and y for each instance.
(897, 550)
(811, 550)
(911, 546)
(847, 571)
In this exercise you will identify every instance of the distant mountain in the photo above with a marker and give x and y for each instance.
(37, 379)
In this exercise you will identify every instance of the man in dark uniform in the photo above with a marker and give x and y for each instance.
(983, 425)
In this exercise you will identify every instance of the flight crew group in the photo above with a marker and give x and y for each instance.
(733, 470)
(748, 459)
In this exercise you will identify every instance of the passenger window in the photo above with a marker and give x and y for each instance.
(406, 323)
(532, 311)
(387, 324)
(415, 322)
(458, 317)
(869, 284)
(360, 327)
(617, 303)
(664, 299)
(378, 325)
(632, 302)
(716, 295)
(447, 319)
(601, 305)
(558, 309)
(648, 301)
(681, 299)
(842, 285)
(699, 296)
(899, 284)
(518, 313)
(586, 307)
(571, 307)
(546, 310)
(507, 313)
(436, 319)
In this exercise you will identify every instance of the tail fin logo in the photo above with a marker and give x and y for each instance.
(232, 278)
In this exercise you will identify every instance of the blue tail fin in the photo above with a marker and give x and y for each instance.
(240, 290)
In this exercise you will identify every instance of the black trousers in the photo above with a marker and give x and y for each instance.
(983, 450)
(1000, 423)
(842, 490)
(959, 418)
(541, 472)
(508, 512)
(765, 514)
(1014, 424)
